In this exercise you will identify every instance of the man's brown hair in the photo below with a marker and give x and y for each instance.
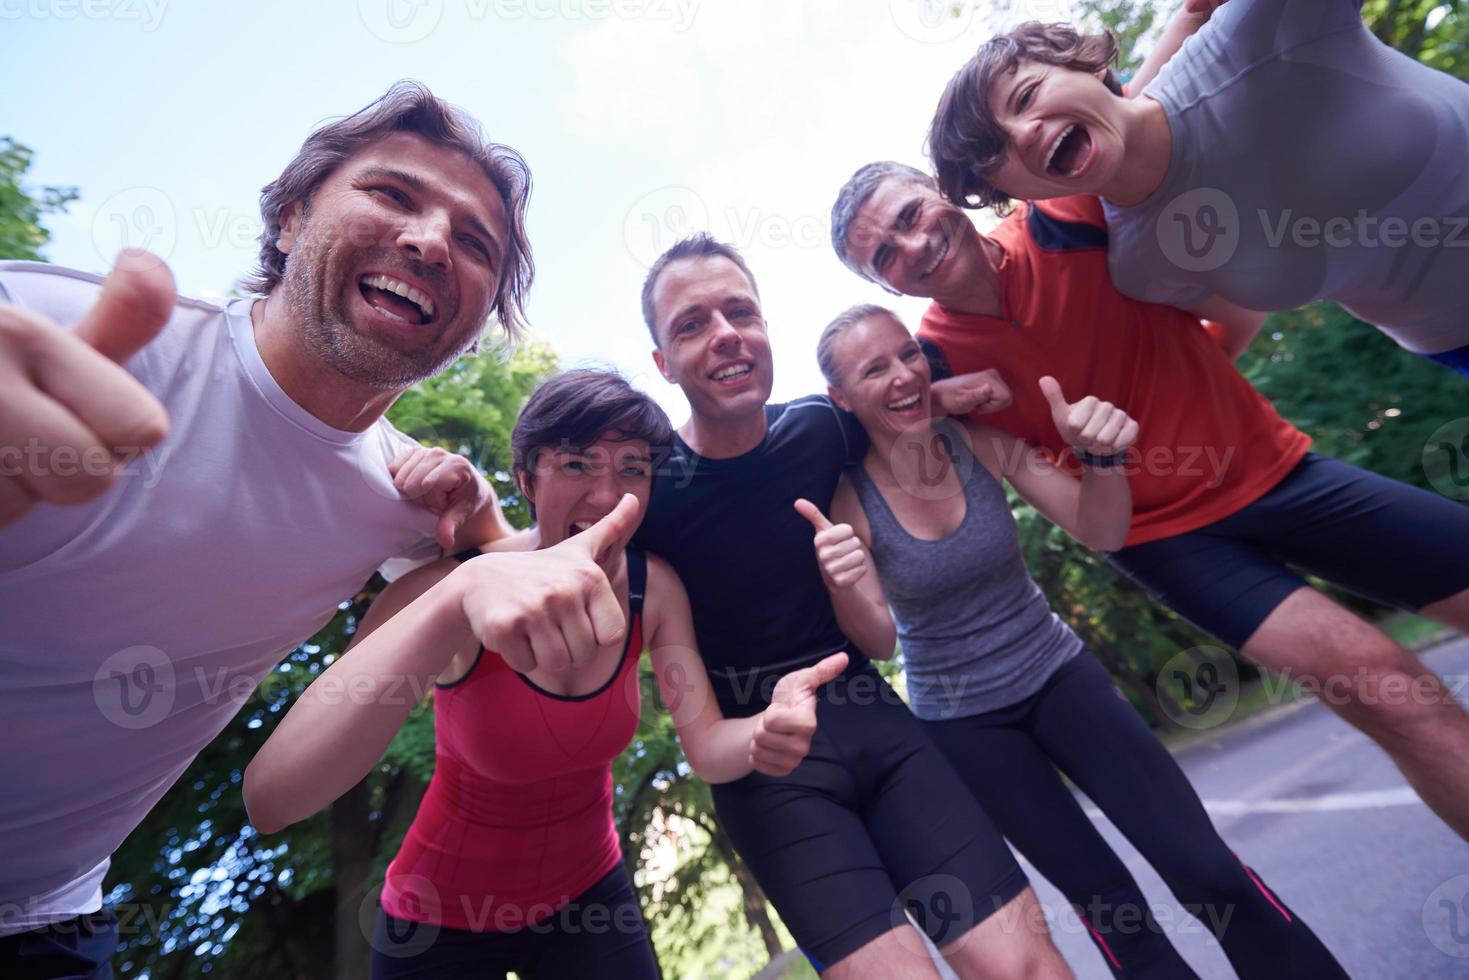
(407, 107)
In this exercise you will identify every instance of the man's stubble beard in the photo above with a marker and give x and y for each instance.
(331, 338)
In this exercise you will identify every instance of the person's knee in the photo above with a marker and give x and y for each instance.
(899, 953)
(1014, 942)
(1454, 611)
(1209, 882)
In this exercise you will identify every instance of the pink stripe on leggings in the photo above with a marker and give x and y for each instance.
(1100, 941)
(1263, 890)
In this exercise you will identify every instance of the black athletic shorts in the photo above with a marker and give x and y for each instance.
(1388, 541)
(600, 933)
(873, 825)
(79, 948)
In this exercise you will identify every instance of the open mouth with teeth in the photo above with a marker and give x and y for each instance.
(732, 373)
(396, 299)
(937, 260)
(578, 527)
(904, 404)
(1069, 152)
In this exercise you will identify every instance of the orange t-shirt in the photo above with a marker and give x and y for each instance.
(1208, 443)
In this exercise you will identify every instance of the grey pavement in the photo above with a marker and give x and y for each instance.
(1329, 823)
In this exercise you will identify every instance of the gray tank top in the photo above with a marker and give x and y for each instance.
(977, 633)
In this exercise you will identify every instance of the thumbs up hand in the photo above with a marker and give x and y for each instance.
(68, 409)
(839, 551)
(783, 735)
(553, 608)
(1090, 425)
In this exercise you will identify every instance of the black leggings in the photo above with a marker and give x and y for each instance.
(1080, 723)
(600, 933)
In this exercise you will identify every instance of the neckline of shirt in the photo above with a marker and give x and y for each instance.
(242, 333)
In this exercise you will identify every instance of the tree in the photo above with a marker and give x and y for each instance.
(21, 233)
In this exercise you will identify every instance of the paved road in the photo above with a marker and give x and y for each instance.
(1329, 823)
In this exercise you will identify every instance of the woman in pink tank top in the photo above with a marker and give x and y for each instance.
(513, 863)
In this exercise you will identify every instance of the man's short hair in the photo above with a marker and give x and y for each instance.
(407, 107)
(855, 193)
(699, 245)
(965, 141)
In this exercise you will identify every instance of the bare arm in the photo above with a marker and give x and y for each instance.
(1235, 326)
(1185, 22)
(724, 749)
(341, 725)
(842, 549)
(553, 608)
(1095, 510)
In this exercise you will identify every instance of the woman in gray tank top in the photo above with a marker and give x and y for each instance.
(1006, 690)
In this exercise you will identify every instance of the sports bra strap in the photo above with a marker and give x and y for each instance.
(637, 580)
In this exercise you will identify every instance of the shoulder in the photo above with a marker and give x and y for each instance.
(818, 417)
(661, 575)
(1067, 224)
(807, 410)
(65, 295)
(991, 446)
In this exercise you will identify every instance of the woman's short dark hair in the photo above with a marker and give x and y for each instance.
(965, 142)
(576, 408)
(407, 107)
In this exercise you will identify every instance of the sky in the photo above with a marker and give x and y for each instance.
(642, 120)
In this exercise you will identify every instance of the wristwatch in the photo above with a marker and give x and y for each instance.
(1100, 462)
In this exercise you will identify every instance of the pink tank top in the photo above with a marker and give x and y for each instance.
(517, 819)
